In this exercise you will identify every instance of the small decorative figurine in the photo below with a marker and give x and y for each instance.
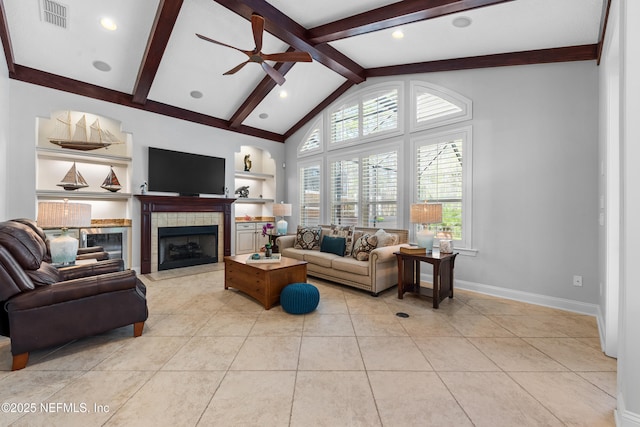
(247, 163)
(243, 191)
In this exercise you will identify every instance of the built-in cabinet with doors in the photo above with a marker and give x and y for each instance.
(255, 190)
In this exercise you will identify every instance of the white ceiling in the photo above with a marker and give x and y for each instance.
(191, 64)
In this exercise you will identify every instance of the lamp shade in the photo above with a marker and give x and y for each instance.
(64, 214)
(281, 209)
(425, 213)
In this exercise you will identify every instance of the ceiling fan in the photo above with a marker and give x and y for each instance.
(256, 55)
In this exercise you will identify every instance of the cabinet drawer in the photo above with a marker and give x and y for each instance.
(245, 226)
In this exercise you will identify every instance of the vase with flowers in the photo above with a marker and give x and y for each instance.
(266, 229)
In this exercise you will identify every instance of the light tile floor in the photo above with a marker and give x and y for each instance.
(211, 357)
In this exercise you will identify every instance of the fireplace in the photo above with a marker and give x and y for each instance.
(168, 211)
(187, 246)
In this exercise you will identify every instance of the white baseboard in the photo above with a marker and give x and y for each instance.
(531, 298)
(623, 417)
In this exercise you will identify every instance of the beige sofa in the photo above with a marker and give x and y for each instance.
(380, 272)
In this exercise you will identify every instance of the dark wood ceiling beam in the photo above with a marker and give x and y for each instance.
(292, 33)
(318, 109)
(541, 56)
(41, 78)
(259, 93)
(6, 40)
(393, 15)
(163, 24)
(606, 6)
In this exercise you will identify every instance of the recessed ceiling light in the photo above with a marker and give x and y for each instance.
(397, 34)
(108, 24)
(461, 22)
(102, 66)
(263, 116)
(196, 94)
(283, 94)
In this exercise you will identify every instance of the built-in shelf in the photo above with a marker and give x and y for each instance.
(252, 200)
(253, 175)
(87, 195)
(83, 156)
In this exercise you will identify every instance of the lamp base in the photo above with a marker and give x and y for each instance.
(425, 239)
(64, 249)
(282, 226)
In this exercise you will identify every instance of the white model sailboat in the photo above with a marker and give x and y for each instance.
(111, 182)
(76, 137)
(73, 180)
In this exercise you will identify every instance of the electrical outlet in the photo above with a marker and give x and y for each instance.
(577, 280)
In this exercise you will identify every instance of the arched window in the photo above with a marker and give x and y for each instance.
(312, 142)
(433, 106)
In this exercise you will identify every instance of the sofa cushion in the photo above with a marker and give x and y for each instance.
(347, 232)
(333, 245)
(351, 265)
(364, 245)
(45, 275)
(293, 253)
(320, 258)
(307, 237)
(386, 239)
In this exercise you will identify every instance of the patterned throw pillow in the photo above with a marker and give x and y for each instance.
(386, 239)
(345, 231)
(364, 245)
(307, 237)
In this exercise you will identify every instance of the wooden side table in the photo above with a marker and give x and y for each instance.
(409, 274)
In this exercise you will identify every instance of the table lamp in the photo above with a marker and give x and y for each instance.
(282, 209)
(425, 214)
(65, 215)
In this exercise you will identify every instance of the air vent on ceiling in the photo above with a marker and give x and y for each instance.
(54, 13)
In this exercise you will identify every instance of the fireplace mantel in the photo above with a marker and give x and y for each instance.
(150, 204)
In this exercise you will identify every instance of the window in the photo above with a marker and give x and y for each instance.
(368, 115)
(433, 106)
(312, 142)
(442, 173)
(310, 195)
(364, 190)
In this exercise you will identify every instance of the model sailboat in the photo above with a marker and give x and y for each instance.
(111, 182)
(77, 138)
(73, 180)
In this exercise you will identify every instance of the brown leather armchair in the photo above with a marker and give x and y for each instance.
(43, 306)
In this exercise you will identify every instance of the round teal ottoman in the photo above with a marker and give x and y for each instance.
(299, 298)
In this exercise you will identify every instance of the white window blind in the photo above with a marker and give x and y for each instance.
(310, 195)
(439, 174)
(344, 189)
(380, 112)
(312, 143)
(345, 122)
(380, 190)
(430, 107)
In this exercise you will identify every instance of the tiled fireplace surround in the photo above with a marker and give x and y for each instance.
(166, 211)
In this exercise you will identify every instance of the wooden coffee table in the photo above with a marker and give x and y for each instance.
(263, 282)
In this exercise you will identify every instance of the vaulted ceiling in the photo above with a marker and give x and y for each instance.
(154, 61)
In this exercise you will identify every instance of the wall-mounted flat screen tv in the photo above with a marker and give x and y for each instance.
(185, 173)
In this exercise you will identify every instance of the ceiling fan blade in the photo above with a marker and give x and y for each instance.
(248, 53)
(257, 26)
(273, 73)
(288, 57)
(236, 68)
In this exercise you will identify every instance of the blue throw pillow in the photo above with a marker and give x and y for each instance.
(333, 245)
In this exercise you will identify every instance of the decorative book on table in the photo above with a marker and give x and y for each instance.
(261, 259)
(413, 250)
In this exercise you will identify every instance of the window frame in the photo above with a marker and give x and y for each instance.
(466, 134)
(360, 97)
(319, 125)
(317, 162)
(464, 103)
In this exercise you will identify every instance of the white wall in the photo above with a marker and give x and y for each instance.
(147, 129)
(535, 180)
(628, 413)
(4, 132)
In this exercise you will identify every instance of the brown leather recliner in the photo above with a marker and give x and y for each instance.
(43, 306)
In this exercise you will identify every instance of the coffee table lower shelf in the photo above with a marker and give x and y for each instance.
(264, 282)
